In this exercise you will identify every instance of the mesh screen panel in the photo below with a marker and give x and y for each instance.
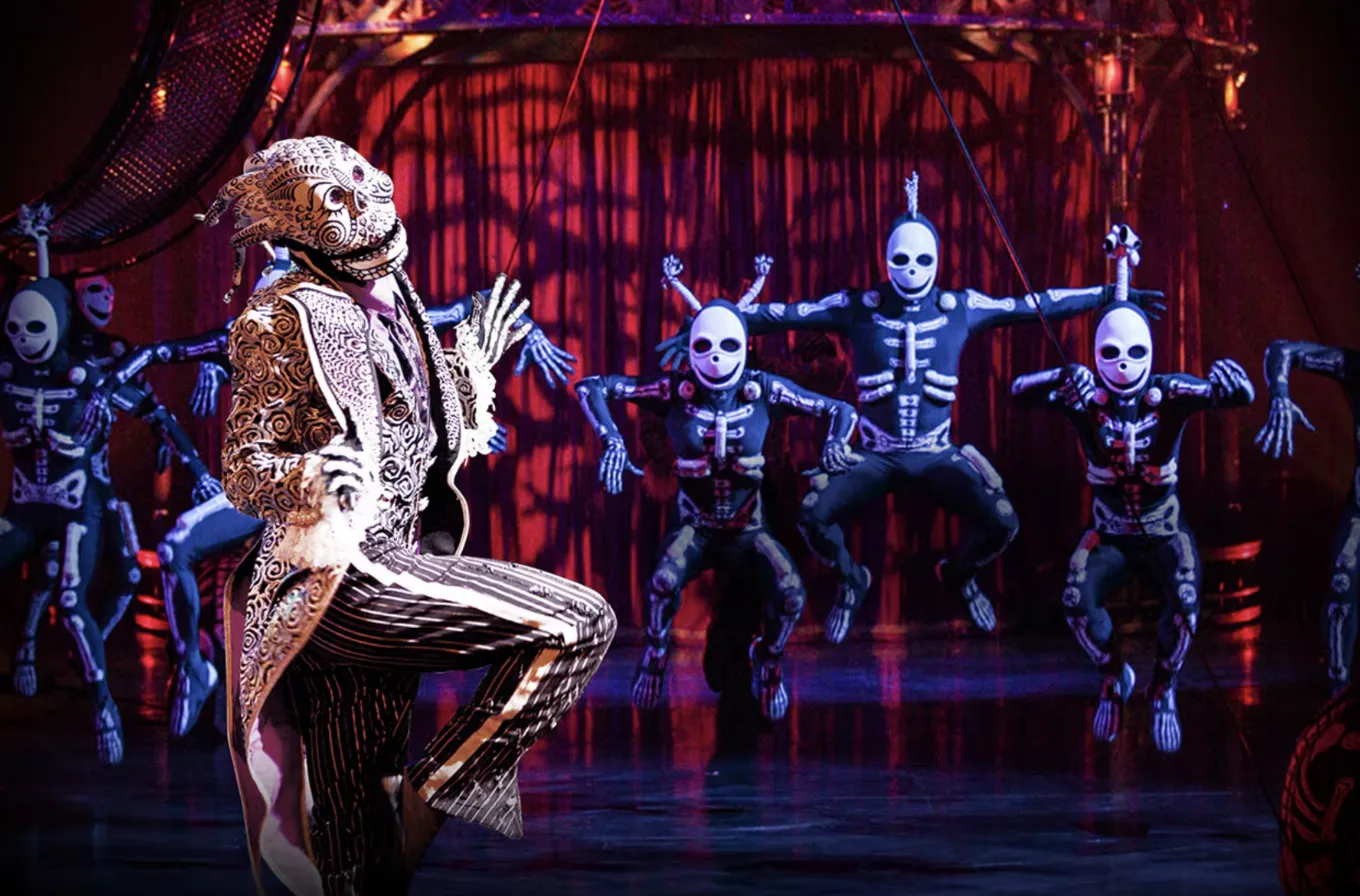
(202, 74)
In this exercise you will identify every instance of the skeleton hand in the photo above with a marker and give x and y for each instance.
(837, 456)
(495, 322)
(612, 464)
(553, 362)
(1149, 300)
(95, 421)
(1078, 388)
(1278, 433)
(675, 349)
(210, 379)
(205, 489)
(1228, 378)
(763, 265)
(500, 442)
(671, 268)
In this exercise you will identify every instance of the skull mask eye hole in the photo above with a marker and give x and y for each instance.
(925, 261)
(36, 326)
(901, 259)
(702, 346)
(730, 345)
(12, 328)
(1138, 352)
(1109, 352)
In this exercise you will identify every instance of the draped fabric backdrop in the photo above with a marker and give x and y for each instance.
(718, 161)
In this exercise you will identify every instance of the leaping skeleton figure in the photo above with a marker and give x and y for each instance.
(55, 422)
(1130, 423)
(1277, 436)
(717, 415)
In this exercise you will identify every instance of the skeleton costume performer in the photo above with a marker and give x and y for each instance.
(1277, 436)
(347, 422)
(213, 526)
(1130, 428)
(906, 335)
(717, 416)
(55, 423)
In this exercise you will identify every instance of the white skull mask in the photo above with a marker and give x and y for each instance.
(1123, 350)
(32, 327)
(717, 346)
(913, 256)
(94, 298)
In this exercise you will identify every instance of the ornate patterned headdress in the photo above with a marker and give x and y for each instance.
(319, 194)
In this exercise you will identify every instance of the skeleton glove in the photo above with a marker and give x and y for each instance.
(1149, 300)
(612, 464)
(346, 475)
(1278, 433)
(495, 324)
(837, 456)
(1078, 388)
(1228, 380)
(211, 377)
(553, 362)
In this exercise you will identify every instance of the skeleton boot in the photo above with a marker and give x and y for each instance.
(1115, 690)
(193, 684)
(1166, 721)
(767, 682)
(849, 597)
(980, 608)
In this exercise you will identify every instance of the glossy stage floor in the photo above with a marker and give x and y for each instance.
(935, 766)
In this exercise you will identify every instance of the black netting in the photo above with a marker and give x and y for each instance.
(202, 74)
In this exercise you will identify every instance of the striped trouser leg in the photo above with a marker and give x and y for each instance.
(356, 723)
(541, 637)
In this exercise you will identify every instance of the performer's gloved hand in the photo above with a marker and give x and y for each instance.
(1278, 433)
(347, 474)
(205, 489)
(556, 364)
(500, 442)
(495, 322)
(211, 378)
(1078, 388)
(675, 349)
(612, 464)
(837, 456)
(1149, 300)
(95, 421)
(764, 264)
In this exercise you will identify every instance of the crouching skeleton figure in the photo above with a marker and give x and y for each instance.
(907, 335)
(717, 416)
(347, 424)
(55, 423)
(1130, 427)
(1343, 366)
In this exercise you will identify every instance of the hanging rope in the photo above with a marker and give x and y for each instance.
(557, 129)
(982, 186)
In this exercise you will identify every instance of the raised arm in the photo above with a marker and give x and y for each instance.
(1069, 388)
(1057, 305)
(594, 394)
(1281, 356)
(1228, 386)
(842, 419)
(827, 314)
(137, 398)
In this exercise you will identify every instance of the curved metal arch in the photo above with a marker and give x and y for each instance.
(199, 80)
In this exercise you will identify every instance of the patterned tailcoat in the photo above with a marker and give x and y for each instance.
(301, 364)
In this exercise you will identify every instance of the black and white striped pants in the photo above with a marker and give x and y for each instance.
(395, 616)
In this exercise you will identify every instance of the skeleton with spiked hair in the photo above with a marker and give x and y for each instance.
(1342, 365)
(348, 423)
(1130, 422)
(906, 335)
(717, 416)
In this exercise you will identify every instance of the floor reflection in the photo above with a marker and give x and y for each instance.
(960, 765)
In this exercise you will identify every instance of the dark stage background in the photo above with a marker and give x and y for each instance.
(803, 159)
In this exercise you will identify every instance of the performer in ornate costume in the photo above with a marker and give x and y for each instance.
(213, 526)
(55, 423)
(717, 416)
(1130, 427)
(348, 421)
(1343, 366)
(907, 335)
